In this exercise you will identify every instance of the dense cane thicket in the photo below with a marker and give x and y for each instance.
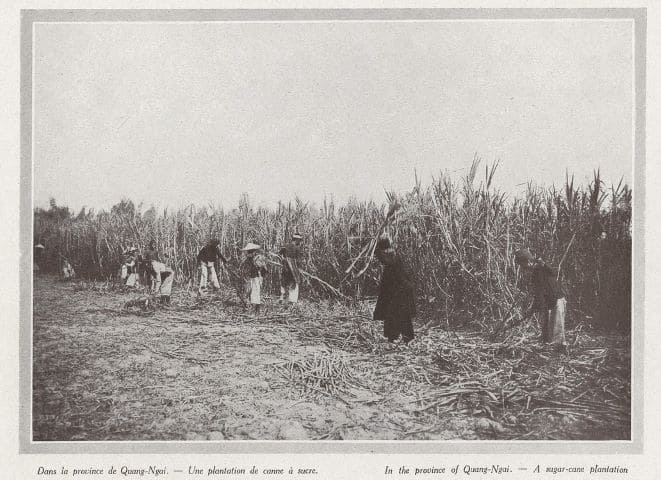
(456, 236)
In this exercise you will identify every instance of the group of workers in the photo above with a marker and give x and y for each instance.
(395, 305)
(147, 266)
(252, 271)
(396, 302)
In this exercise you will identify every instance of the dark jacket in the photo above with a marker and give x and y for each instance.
(396, 292)
(290, 273)
(545, 288)
(151, 254)
(253, 266)
(210, 253)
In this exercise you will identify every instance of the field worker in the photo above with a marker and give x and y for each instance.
(253, 270)
(207, 258)
(129, 272)
(162, 276)
(549, 298)
(396, 302)
(151, 254)
(39, 250)
(290, 276)
(68, 272)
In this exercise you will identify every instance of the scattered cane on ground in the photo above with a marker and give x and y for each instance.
(203, 368)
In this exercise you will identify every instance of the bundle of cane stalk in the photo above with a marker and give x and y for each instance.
(321, 373)
(367, 253)
(308, 275)
(237, 283)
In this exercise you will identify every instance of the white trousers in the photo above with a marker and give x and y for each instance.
(254, 290)
(208, 271)
(68, 272)
(292, 293)
(132, 280)
(553, 325)
(166, 283)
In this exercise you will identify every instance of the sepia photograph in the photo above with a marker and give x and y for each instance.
(404, 227)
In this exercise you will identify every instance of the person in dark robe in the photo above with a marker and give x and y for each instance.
(396, 302)
(290, 277)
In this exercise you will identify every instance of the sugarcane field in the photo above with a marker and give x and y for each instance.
(449, 311)
(415, 237)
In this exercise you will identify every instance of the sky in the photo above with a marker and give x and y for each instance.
(173, 114)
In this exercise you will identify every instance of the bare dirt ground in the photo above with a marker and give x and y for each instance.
(206, 370)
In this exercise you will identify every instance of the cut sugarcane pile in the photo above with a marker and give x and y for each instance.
(326, 373)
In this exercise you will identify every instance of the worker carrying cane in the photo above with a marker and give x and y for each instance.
(548, 298)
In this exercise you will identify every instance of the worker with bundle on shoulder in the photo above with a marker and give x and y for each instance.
(162, 275)
(290, 276)
(548, 298)
(253, 270)
(207, 258)
(129, 272)
(396, 302)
